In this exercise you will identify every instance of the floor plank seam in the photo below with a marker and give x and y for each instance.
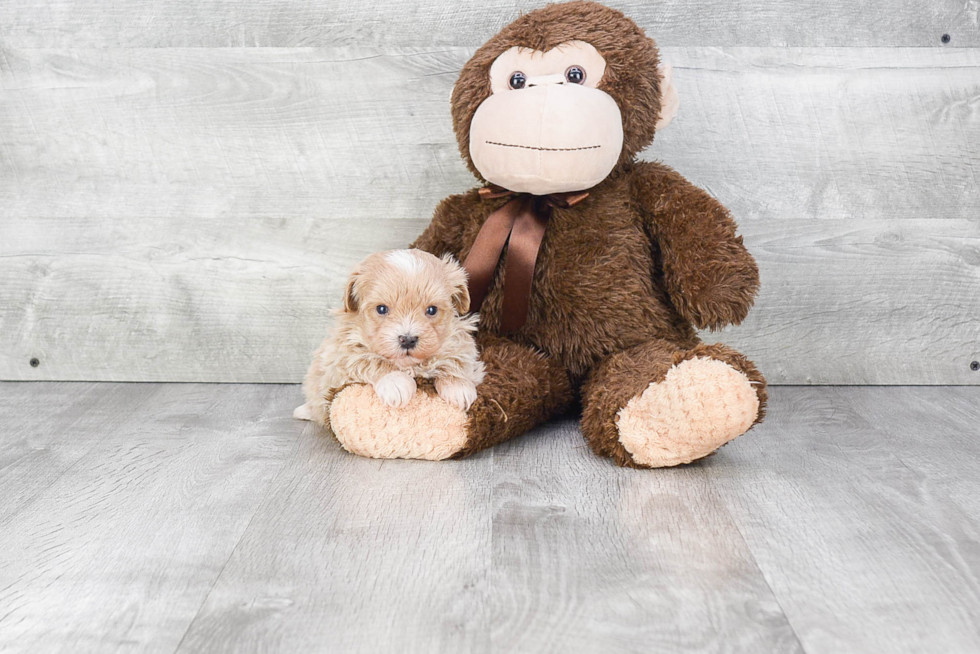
(490, 562)
(40, 493)
(755, 560)
(282, 468)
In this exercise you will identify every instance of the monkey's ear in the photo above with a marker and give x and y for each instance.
(350, 297)
(456, 276)
(669, 100)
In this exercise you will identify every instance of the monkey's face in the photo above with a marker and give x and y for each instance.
(558, 100)
(546, 127)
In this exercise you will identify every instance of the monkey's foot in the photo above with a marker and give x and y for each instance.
(426, 428)
(700, 405)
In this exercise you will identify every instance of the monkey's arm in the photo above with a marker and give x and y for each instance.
(710, 276)
(445, 232)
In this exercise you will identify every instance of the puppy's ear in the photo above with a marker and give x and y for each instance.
(456, 277)
(461, 298)
(350, 296)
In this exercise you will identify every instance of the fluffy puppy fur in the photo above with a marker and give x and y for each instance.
(403, 319)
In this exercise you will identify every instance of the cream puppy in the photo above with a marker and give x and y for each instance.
(402, 319)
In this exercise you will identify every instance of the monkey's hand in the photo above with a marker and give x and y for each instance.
(721, 296)
(711, 278)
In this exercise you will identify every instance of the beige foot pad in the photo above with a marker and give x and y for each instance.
(700, 405)
(426, 428)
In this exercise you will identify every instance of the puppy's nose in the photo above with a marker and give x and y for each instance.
(408, 342)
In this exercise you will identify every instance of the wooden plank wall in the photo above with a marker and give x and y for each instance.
(184, 185)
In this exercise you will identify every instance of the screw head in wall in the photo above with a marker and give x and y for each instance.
(946, 38)
(975, 365)
(35, 362)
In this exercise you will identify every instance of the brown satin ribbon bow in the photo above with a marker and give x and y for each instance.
(520, 225)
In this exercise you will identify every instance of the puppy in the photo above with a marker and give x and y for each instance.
(402, 319)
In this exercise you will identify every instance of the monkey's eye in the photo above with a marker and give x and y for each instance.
(382, 309)
(517, 80)
(575, 75)
(431, 311)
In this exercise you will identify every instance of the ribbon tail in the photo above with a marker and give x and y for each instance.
(519, 225)
(481, 262)
(522, 254)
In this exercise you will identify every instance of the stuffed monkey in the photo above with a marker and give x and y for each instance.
(591, 270)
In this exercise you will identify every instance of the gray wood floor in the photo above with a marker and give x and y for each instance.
(201, 518)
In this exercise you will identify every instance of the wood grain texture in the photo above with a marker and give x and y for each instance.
(219, 23)
(864, 302)
(949, 414)
(34, 418)
(841, 301)
(201, 518)
(190, 214)
(119, 552)
(588, 557)
(358, 555)
(234, 135)
(818, 133)
(851, 520)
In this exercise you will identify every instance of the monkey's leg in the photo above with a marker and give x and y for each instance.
(522, 388)
(653, 405)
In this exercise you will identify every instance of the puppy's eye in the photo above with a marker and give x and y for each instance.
(517, 80)
(431, 311)
(382, 309)
(575, 74)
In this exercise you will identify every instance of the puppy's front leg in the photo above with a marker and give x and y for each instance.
(395, 389)
(458, 391)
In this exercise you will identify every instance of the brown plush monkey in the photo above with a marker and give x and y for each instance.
(593, 268)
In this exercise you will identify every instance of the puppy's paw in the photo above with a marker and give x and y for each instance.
(302, 412)
(460, 393)
(395, 389)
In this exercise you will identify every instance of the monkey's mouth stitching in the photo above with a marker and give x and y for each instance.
(531, 147)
